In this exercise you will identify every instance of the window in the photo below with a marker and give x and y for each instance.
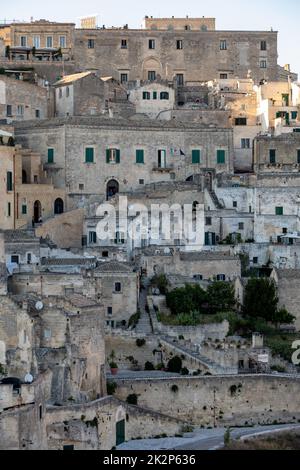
(162, 162)
(109, 311)
(146, 95)
(92, 237)
(187, 27)
(141, 181)
(223, 45)
(263, 64)
(263, 45)
(118, 287)
(81, 187)
(151, 75)
(221, 277)
(124, 44)
(278, 210)
(208, 221)
(9, 181)
(62, 41)
(8, 209)
(196, 156)
(14, 259)
(49, 42)
(255, 260)
(23, 41)
(91, 44)
(151, 43)
(198, 277)
(179, 44)
(124, 77)
(164, 95)
(24, 209)
(234, 204)
(119, 240)
(50, 155)
(272, 156)
(37, 114)
(179, 79)
(112, 156)
(139, 156)
(223, 76)
(104, 254)
(36, 42)
(220, 157)
(298, 156)
(155, 95)
(9, 110)
(67, 92)
(241, 121)
(284, 230)
(89, 155)
(294, 115)
(41, 411)
(29, 258)
(241, 225)
(245, 143)
(20, 110)
(47, 334)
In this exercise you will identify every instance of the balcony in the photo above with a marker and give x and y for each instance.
(164, 169)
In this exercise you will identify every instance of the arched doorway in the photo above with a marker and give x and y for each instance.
(58, 206)
(208, 181)
(37, 211)
(112, 188)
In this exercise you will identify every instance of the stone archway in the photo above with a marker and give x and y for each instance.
(58, 206)
(112, 188)
(151, 64)
(37, 211)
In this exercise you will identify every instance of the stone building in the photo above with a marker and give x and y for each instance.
(185, 24)
(20, 100)
(155, 99)
(277, 155)
(287, 282)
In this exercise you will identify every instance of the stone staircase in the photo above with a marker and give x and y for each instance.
(144, 325)
(215, 199)
(192, 351)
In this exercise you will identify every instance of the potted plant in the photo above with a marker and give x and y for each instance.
(113, 367)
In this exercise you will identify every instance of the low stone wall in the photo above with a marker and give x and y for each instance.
(196, 334)
(222, 400)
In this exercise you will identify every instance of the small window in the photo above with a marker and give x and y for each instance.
(208, 221)
(14, 259)
(146, 95)
(220, 157)
(298, 156)
(49, 42)
(234, 204)
(109, 311)
(124, 77)
(89, 155)
(279, 210)
(241, 121)
(198, 277)
(8, 209)
(245, 143)
(123, 43)
(40, 411)
(141, 181)
(179, 44)
(92, 237)
(164, 95)
(284, 230)
(81, 187)
(50, 155)
(221, 277)
(29, 258)
(62, 42)
(68, 447)
(180, 79)
(172, 176)
(151, 76)
(272, 156)
(139, 156)
(223, 76)
(9, 181)
(223, 45)
(155, 95)
(241, 225)
(36, 42)
(294, 115)
(91, 44)
(255, 260)
(37, 114)
(9, 110)
(187, 27)
(196, 156)
(104, 254)
(20, 110)
(23, 41)
(118, 287)
(151, 43)
(263, 64)
(24, 209)
(162, 159)
(263, 45)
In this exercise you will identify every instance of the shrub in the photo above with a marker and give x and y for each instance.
(111, 388)
(278, 368)
(160, 366)
(221, 297)
(132, 399)
(149, 366)
(184, 371)
(186, 299)
(227, 437)
(140, 342)
(175, 364)
(113, 365)
(134, 319)
(160, 281)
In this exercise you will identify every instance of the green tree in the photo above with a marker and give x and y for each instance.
(260, 300)
(186, 299)
(175, 364)
(220, 296)
(282, 316)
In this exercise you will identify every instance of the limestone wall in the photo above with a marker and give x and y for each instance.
(65, 230)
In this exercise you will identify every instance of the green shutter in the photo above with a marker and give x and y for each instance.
(107, 155)
(50, 155)
(24, 209)
(9, 182)
(272, 154)
(118, 156)
(195, 156)
(139, 156)
(89, 155)
(279, 211)
(155, 95)
(221, 157)
(294, 115)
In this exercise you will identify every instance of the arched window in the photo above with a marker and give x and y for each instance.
(37, 212)
(164, 95)
(112, 188)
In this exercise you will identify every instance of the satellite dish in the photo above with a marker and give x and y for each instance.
(39, 305)
(28, 379)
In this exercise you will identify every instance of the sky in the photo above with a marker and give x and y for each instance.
(282, 16)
